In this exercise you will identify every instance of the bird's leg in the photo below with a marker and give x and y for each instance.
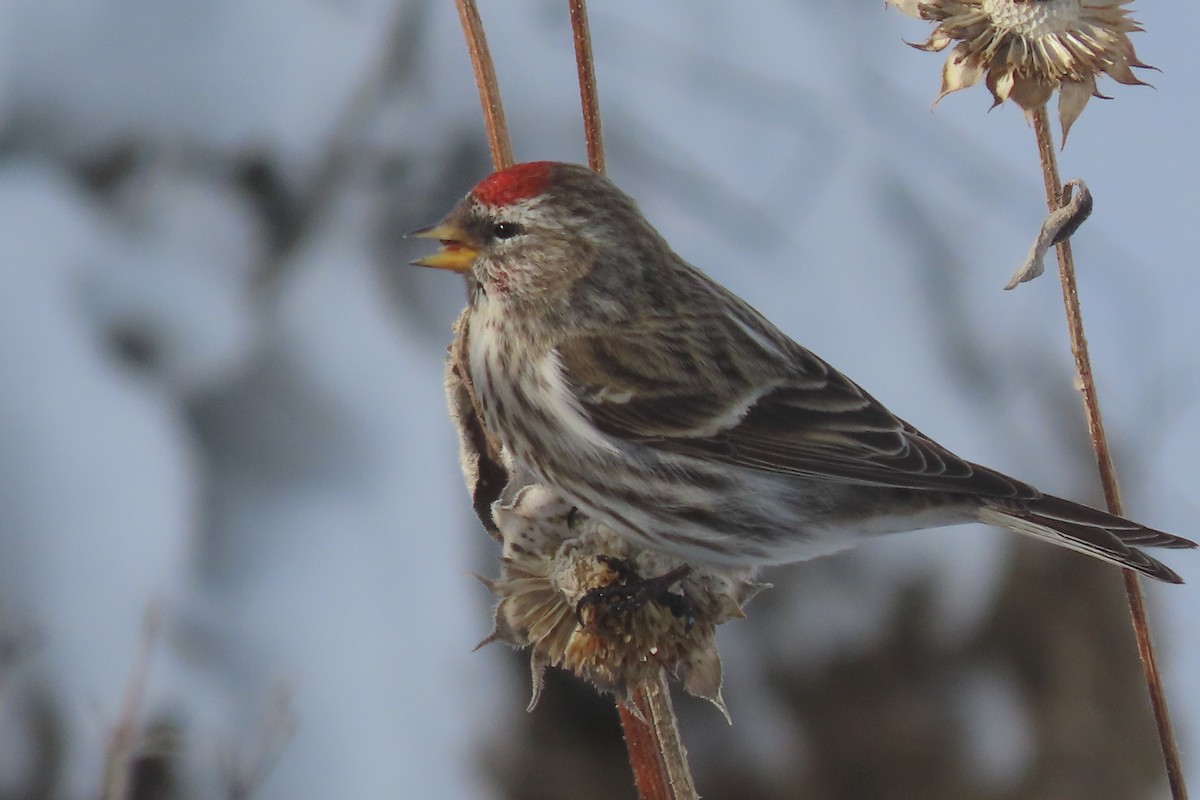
(575, 518)
(631, 592)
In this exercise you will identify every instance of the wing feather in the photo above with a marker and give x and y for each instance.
(676, 386)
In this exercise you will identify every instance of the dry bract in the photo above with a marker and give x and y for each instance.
(1025, 49)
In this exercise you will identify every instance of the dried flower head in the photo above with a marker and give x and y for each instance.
(1025, 49)
(554, 557)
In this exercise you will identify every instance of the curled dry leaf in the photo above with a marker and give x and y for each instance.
(1058, 226)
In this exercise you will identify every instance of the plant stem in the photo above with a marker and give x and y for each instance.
(485, 81)
(1108, 473)
(487, 474)
(123, 739)
(649, 777)
(656, 753)
(588, 98)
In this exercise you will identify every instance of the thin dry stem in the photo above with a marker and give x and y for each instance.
(1108, 473)
(485, 80)
(666, 730)
(320, 190)
(123, 741)
(588, 98)
(656, 753)
(490, 474)
(245, 777)
(649, 775)
(16, 643)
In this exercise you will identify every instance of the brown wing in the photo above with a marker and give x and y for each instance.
(752, 398)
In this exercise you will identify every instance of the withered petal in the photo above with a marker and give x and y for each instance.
(1000, 83)
(1073, 97)
(961, 70)
(1120, 72)
(1030, 93)
(936, 43)
(910, 7)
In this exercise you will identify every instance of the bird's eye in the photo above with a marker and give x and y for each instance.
(505, 230)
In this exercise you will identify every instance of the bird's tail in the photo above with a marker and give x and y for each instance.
(1097, 533)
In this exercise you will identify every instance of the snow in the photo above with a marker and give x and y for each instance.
(276, 469)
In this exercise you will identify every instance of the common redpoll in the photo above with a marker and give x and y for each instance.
(657, 401)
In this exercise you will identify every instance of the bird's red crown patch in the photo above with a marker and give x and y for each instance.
(513, 184)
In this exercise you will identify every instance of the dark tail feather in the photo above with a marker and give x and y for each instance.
(1099, 534)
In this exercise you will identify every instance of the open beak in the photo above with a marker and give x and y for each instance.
(456, 255)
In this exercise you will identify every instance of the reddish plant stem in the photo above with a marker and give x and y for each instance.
(1108, 473)
(648, 774)
(485, 81)
(656, 753)
(585, 66)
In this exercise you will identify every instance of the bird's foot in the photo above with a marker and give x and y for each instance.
(631, 592)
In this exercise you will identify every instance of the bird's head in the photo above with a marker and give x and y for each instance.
(532, 232)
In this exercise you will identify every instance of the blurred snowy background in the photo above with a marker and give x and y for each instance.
(222, 395)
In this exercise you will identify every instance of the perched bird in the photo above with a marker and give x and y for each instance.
(657, 401)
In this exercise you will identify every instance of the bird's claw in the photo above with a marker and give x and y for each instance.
(630, 592)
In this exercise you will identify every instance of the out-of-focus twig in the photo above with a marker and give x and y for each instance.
(302, 213)
(243, 777)
(16, 643)
(123, 741)
(1108, 473)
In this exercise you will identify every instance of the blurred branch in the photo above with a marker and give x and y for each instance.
(243, 778)
(123, 741)
(1108, 474)
(299, 217)
(16, 643)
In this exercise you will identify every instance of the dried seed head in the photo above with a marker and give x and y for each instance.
(553, 558)
(1025, 49)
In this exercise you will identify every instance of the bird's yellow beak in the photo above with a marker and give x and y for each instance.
(456, 255)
